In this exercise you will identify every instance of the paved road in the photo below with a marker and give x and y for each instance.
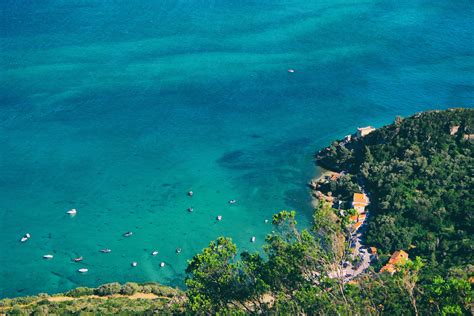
(349, 272)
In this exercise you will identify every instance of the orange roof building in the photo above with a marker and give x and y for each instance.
(359, 202)
(398, 258)
(390, 268)
(357, 218)
(373, 250)
(357, 226)
(354, 218)
(360, 198)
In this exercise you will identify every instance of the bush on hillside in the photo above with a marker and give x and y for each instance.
(80, 291)
(108, 289)
(130, 288)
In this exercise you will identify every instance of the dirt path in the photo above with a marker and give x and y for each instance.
(58, 299)
(147, 296)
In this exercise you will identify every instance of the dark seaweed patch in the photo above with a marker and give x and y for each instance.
(237, 159)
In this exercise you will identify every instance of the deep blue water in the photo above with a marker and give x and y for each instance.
(118, 108)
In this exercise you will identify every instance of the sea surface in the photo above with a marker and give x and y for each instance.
(119, 108)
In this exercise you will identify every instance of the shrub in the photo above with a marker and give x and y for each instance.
(80, 291)
(130, 288)
(41, 310)
(108, 289)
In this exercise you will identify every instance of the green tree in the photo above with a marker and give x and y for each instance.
(450, 296)
(212, 278)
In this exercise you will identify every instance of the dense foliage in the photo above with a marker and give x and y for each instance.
(421, 184)
(296, 276)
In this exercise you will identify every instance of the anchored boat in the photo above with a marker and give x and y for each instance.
(72, 211)
(25, 238)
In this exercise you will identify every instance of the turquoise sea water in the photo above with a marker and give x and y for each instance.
(118, 108)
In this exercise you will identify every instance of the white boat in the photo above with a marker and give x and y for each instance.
(25, 238)
(128, 234)
(154, 253)
(162, 264)
(178, 250)
(190, 193)
(72, 211)
(106, 250)
(82, 270)
(219, 217)
(266, 221)
(190, 210)
(253, 239)
(48, 257)
(291, 70)
(79, 259)
(232, 201)
(134, 264)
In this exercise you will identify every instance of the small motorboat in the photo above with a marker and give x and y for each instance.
(219, 218)
(154, 253)
(72, 211)
(162, 264)
(134, 264)
(232, 201)
(253, 239)
(178, 250)
(291, 70)
(190, 193)
(190, 210)
(25, 237)
(106, 250)
(48, 257)
(82, 270)
(127, 234)
(79, 259)
(266, 221)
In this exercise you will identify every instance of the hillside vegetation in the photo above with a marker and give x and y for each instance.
(111, 299)
(420, 181)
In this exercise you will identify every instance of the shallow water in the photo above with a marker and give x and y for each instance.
(118, 108)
